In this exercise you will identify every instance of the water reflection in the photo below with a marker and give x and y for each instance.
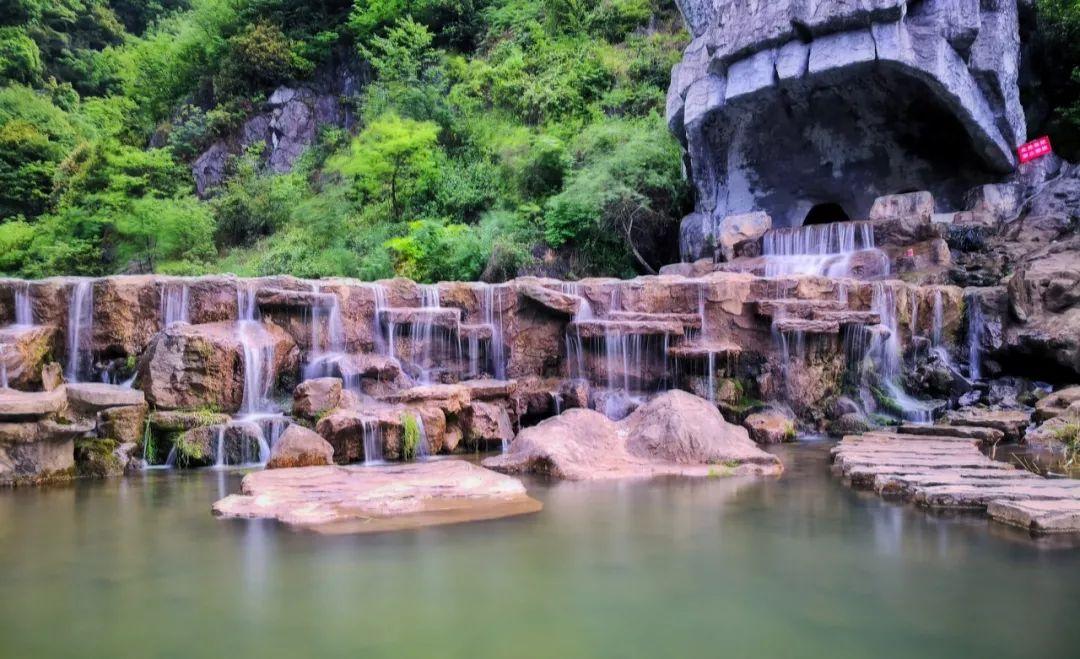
(795, 566)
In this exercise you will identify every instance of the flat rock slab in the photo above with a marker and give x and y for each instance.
(1037, 516)
(986, 435)
(934, 472)
(16, 404)
(95, 396)
(372, 499)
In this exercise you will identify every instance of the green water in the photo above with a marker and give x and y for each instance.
(798, 567)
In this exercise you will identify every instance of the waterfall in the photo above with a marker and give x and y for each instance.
(422, 332)
(556, 401)
(373, 450)
(976, 325)
(3, 368)
(80, 331)
(821, 249)
(24, 310)
(493, 318)
(175, 299)
(936, 329)
(884, 351)
(422, 450)
(325, 319)
(220, 441)
(258, 354)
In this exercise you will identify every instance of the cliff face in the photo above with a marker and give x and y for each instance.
(783, 106)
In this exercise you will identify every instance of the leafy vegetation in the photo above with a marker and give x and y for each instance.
(410, 437)
(493, 137)
(1056, 55)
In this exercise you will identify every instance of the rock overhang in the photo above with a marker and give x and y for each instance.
(800, 77)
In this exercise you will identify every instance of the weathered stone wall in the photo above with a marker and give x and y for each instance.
(785, 105)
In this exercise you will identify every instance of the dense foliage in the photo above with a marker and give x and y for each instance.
(494, 137)
(1057, 62)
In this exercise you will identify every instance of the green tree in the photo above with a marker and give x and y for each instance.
(392, 160)
(1057, 59)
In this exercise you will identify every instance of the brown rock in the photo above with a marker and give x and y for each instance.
(92, 397)
(1011, 423)
(22, 353)
(300, 447)
(488, 425)
(124, 424)
(189, 366)
(1057, 403)
(770, 427)
(313, 397)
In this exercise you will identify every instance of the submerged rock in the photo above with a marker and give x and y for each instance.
(371, 499)
(676, 433)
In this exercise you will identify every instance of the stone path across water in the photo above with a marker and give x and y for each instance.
(942, 467)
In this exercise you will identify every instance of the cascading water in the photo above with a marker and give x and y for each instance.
(373, 450)
(976, 325)
(491, 310)
(80, 331)
(175, 303)
(575, 353)
(422, 334)
(823, 249)
(258, 352)
(24, 309)
(883, 356)
(938, 320)
(325, 322)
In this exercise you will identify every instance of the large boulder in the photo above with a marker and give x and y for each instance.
(488, 425)
(300, 447)
(675, 433)
(190, 366)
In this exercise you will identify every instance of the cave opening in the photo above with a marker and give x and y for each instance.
(826, 214)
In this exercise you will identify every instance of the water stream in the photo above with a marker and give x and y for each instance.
(80, 331)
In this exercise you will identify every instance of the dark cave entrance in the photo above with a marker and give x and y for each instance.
(825, 214)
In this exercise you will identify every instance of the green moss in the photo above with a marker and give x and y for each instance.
(187, 452)
(96, 458)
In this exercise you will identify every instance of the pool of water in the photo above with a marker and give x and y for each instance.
(795, 567)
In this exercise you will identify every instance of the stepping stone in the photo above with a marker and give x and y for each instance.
(1054, 516)
(982, 434)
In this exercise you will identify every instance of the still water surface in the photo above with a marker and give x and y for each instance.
(796, 567)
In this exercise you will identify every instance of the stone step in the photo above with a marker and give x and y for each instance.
(797, 308)
(847, 317)
(554, 300)
(97, 396)
(17, 404)
(688, 320)
(978, 498)
(477, 332)
(278, 298)
(589, 329)
(978, 433)
(702, 350)
(806, 326)
(443, 317)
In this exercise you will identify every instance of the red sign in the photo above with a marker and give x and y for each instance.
(1034, 149)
